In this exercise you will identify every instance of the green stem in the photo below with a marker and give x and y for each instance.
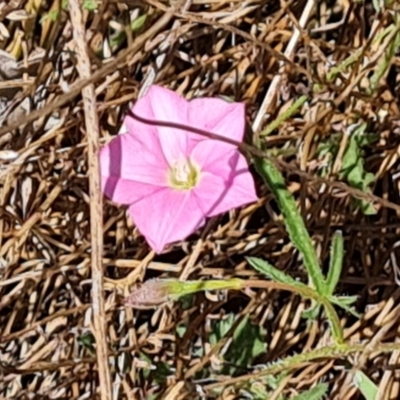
(293, 220)
(307, 293)
(291, 363)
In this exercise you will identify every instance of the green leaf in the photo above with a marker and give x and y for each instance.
(181, 330)
(294, 222)
(247, 344)
(284, 116)
(157, 371)
(161, 373)
(138, 23)
(90, 5)
(335, 263)
(316, 393)
(118, 37)
(144, 357)
(312, 312)
(51, 15)
(347, 300)
(365, 385)
(344, 65)
(353, 166)
(186, 301)
(221, 328)
(386, 60)
(328, 146)
(271, 272)
(344, 302)
(87, 341)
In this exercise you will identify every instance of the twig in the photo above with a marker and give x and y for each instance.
(96, 201)
(273, 88)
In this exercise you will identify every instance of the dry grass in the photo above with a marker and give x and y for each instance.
(241, 49)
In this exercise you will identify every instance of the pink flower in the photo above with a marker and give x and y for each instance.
(171, 179)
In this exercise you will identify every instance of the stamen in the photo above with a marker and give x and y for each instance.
(184, 175)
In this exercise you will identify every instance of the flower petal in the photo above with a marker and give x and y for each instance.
(240, 190)
(232, 185)
(218, 116)
(128, 160)
(209, 153)
(134, 157)
(161, 104)
(167, 216)
(210, 192)
(124, 191)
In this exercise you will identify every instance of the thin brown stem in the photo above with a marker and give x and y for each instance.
(96, 202)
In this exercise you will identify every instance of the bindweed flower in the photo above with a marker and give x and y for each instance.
(171, 179)
(151, 294)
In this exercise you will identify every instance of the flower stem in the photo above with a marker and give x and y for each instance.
(156, 292)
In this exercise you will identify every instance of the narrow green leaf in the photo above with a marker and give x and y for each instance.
(273, 273)
(365, 385)
(343, 66)
(353, 165)
(344, 302)
(138, 23)
(293, 220)
(335, 263)
(347, 300)
(386, 60)
(299, 236)
(316, 393)
(284, 116)
(312, 312)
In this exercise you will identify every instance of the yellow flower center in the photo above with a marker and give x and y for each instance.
(184, 175)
